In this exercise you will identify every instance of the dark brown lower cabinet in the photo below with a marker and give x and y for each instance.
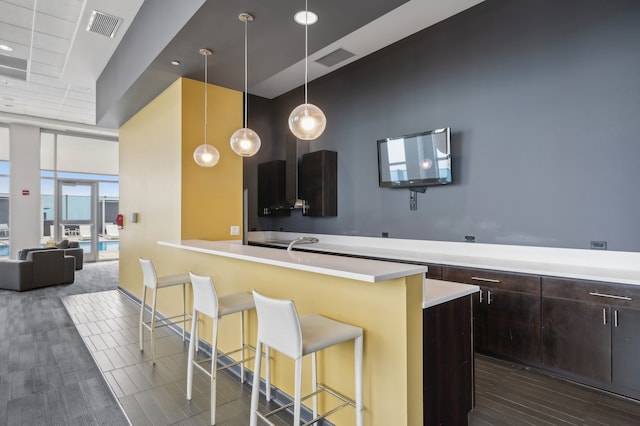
(577, 337)
(592, 329)
(625, 347)
(448, 363)
(506, 312)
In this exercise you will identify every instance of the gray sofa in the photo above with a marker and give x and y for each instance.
(69, 248)
(41, 268)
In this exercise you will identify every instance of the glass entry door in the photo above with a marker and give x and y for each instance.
(76, 215)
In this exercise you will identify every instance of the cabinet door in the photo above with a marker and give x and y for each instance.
(271, 188)
(626, 347)
(513, 323)
(506, 311)
(576, 337)
(319, 186)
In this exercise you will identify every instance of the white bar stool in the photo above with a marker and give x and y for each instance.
(280, 328)
(152, 281)
(206, 301)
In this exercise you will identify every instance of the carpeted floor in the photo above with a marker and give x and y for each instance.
(47, 375)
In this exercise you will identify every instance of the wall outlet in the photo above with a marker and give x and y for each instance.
(385, 235)
(470, 238)
(235, 230)
(598, 245)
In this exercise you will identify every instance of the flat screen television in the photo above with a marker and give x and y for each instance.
(416, 160)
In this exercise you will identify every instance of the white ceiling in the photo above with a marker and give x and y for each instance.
(65, 61)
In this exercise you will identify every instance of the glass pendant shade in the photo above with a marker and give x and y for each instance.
(245, 142)
(206, 155)
(307, 122)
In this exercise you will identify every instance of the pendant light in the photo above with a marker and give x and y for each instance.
(206, 155)
(306, 121)
(245, 142)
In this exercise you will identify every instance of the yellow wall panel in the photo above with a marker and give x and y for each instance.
(211, 197)
(150, 183)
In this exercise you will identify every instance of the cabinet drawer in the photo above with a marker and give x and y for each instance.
(592, 291)
(493, 279)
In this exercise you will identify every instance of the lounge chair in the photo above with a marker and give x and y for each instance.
(84, 232)
(112, 232)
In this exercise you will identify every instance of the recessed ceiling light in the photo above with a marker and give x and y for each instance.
(174, 62)
(6, 48)
(8, 98)
(6, 83)
(305, 17)
(8, 105)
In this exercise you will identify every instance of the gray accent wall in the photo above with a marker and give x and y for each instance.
(543, 99)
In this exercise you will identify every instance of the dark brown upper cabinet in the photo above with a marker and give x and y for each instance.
(319, 183)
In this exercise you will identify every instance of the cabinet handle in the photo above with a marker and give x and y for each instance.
(604, 316)
(615, 318)
(488, 297)
(489, 280)
(480, 295)
(610, 296)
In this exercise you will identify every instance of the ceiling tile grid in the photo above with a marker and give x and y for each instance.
(43, 37)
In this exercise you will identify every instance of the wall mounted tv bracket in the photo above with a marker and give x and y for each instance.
(413, 196)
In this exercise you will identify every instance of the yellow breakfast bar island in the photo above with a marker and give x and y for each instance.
(385, 299)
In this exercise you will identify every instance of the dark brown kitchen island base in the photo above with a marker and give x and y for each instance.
(448, 385)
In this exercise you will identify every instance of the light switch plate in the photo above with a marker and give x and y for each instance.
(235, 230)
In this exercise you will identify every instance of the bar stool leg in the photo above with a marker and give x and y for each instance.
(255, 388)
(267, 360)
(297, 394)
(153, 325)
(184, 313)
(142, 305)
(314, 383)
(214, 369)
(197, 336)
(242, 346)
(358, 378)
(194, 321)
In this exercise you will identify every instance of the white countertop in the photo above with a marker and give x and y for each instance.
(345, 267)
(609, 266)
(436, 292)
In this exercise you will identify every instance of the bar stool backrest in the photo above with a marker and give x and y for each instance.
(149, 277)
(205, 298)
(279, 325)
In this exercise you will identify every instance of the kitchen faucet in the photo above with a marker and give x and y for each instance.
(305, 240)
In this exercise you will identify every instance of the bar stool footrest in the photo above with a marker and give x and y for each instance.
(163, 322)
(346, 402)
(202, 362)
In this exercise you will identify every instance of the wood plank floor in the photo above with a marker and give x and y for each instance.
(505, 394)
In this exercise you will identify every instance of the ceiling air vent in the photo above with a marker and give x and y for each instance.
(104, 24)
(13, 67)
(335, 57)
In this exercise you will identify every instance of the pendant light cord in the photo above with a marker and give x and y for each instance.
(205, 96)
(245, 72)
(306, 49)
